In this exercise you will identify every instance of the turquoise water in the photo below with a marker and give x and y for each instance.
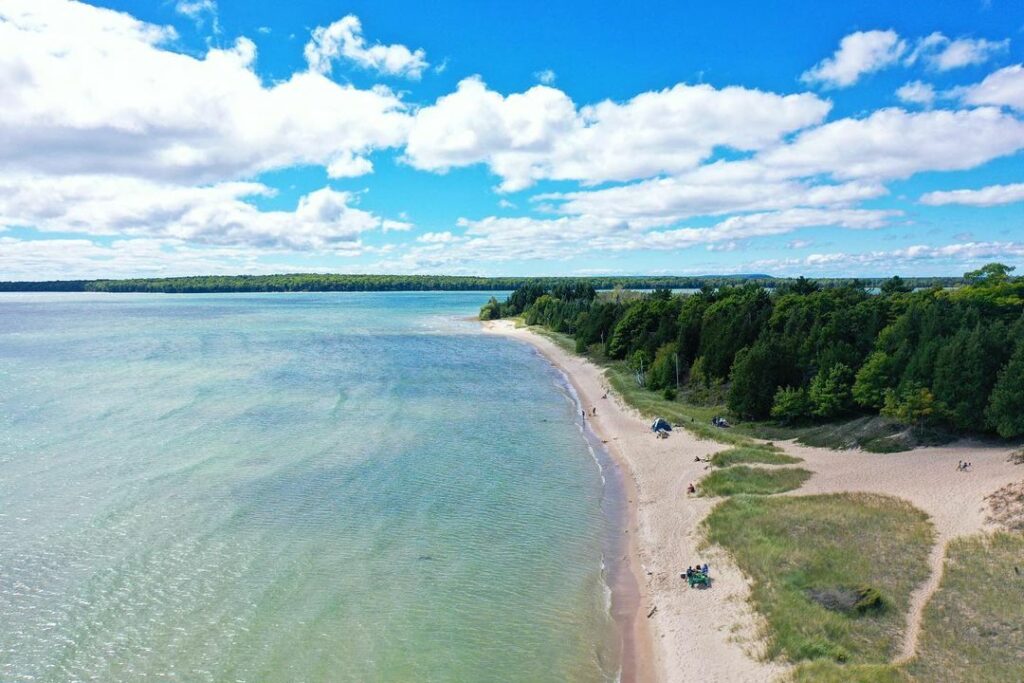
(343, 486)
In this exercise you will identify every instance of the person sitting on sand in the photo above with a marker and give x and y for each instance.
(691, 488)
(705, 569)
(689, 572)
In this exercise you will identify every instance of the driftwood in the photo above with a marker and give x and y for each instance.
(653, 610)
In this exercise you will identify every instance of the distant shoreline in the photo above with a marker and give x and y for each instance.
(331, 282)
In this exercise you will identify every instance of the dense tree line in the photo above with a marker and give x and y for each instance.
(806, 351)
(309, 282)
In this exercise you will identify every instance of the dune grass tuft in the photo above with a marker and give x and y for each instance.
(752, 454)
(759, 481)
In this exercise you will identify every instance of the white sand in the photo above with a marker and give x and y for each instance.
(711, 635)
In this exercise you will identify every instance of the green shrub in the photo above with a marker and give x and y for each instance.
(790, 405)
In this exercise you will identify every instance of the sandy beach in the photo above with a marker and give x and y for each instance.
(712, 635)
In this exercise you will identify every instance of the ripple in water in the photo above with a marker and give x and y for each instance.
(291, 487)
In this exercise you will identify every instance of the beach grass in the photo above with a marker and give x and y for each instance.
(873, 433)
(832, 672)
(750, 454)
(757, 481)
(831, 574)
(973, 626)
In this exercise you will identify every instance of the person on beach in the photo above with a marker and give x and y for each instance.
(593, 410)
(691, 488)
(705, 569)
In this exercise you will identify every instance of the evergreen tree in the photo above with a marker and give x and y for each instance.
(756, 375)
(876, 377)
(830, 393)
(1006, 407)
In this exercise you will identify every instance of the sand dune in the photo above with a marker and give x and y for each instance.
(711, 635)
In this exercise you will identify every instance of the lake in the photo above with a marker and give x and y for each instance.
(336, 486)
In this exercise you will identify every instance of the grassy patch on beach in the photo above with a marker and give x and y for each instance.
(752, 480)
(973, 626)
(831, 574)
(832, 672)
(748, 454)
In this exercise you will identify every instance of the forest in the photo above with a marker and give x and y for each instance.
(323, 282)
(807, 351)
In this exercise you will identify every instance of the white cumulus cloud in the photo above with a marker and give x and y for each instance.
(859, 53)
(90, 90)
(943, 54)
(344, 40)
(993, 195)
(916, 92)
(893, 143)
(958, 255)
(541, 134)
(215, 215)
(1004, 87)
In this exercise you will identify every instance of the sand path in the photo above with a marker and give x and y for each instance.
(928, 478)
(712, 635)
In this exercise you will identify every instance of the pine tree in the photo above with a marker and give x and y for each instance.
(1006, 406)
(830, 392)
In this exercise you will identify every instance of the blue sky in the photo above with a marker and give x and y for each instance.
(201, 136)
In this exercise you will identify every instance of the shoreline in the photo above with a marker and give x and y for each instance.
(705, 633)
(622, 571)
(715, 634)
